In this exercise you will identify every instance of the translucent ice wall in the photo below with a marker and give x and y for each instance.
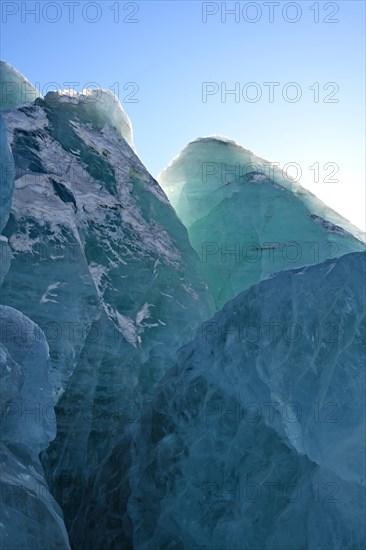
(256, 439)
(7, 175)
(30, 516)
(247, 220)
(103, 265)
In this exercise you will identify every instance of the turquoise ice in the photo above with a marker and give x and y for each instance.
(246, 219)
(255, 439)
(15, 89)
(30, 515)
(103, 265)
(97, 107)
(250, 435)
(7, 175)
(6, 192)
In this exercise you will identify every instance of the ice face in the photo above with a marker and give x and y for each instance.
(254, 440)
(6, 176)
(30, 421)
(247, 220)
(30, 516)
(12, 379)
(6, 192)
(104, 266)
(15, 89)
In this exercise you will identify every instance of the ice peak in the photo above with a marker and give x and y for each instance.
(15, 88)
(99, 106)
(213, 147)
(219, 140)
(213, 138)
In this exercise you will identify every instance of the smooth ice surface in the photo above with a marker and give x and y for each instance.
(104, 266)
(246, 219)
(15, 89)
(255, 439)
(30, 516)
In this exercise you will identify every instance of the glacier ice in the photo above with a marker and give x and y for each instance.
(103, 265)
(7, 175)
(30, 421)
(30, 516)
(255, 439)
(246, 219)
(251, 437)
(15, 89)
(97, 107)
(6, 192)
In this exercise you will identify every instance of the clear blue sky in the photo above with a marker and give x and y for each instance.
(169, 52)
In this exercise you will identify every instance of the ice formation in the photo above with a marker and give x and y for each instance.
(247, 219)
(30, 516)
(7, 175)
(93, 106)
(15, 89)
(251, 436)
(104, 266)
(255, 439)
(6, 192)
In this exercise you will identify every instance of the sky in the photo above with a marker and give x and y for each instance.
(295, 70)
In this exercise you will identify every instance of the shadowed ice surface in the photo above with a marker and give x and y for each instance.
(254, 440)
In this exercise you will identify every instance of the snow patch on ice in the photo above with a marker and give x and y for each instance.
(49, 295)
(128, 329)
(143, 313)
(98, 272)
